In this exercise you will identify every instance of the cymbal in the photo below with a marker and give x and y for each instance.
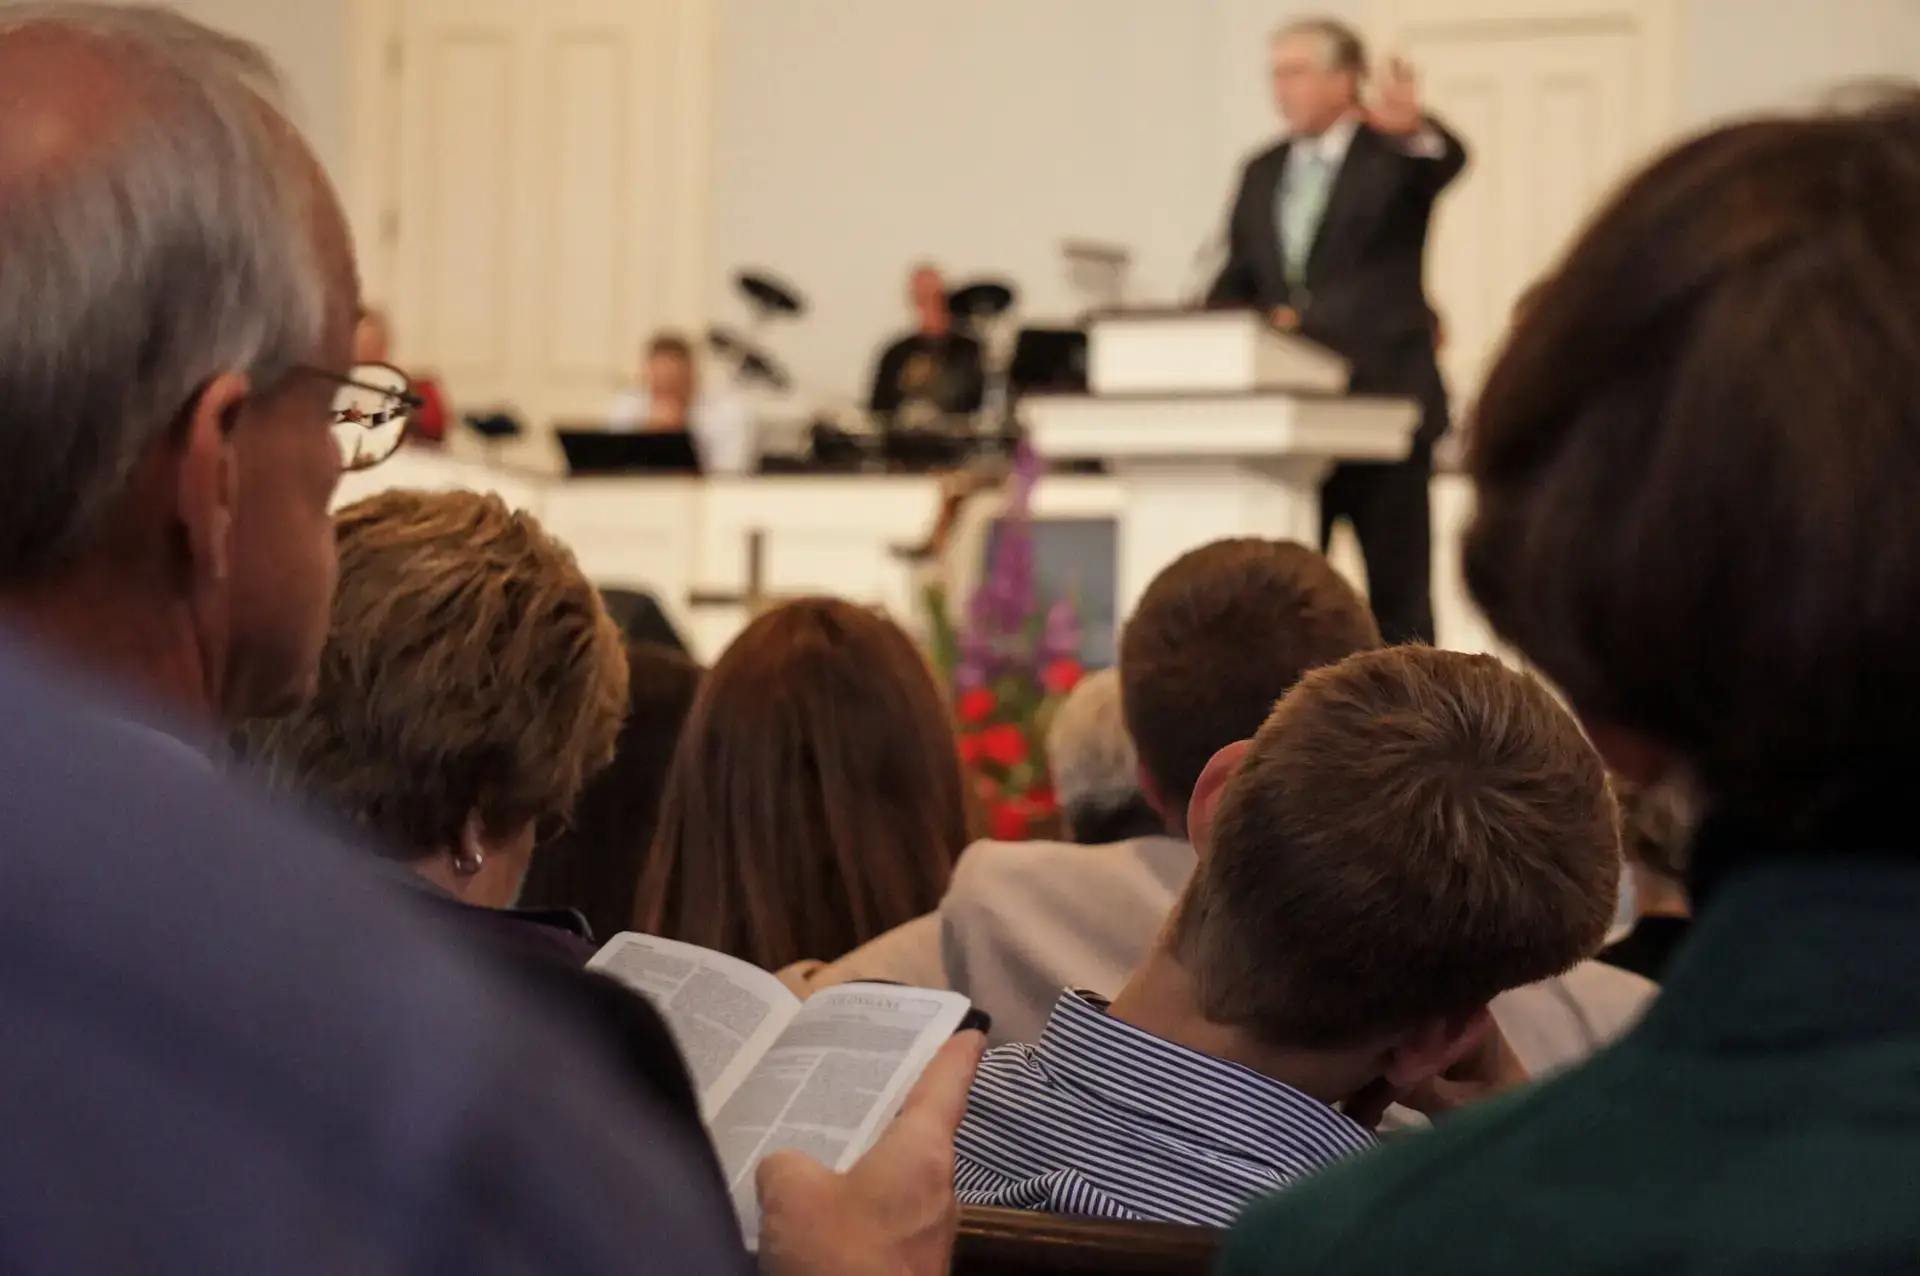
(751, 362)
(764, 292)
(981, 299)
(725, 340)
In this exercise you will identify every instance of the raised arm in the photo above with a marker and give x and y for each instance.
(1435, 155)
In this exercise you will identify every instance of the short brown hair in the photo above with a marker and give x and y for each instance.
(673, 344)
(471, 668)
(1411, 833)
(1695, 462)
(814, 801)
(1218, 637)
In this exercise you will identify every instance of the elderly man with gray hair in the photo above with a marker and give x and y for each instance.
(1096, 773)
(228, 1051)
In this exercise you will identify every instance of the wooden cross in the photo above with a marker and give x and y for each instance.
(755, 597)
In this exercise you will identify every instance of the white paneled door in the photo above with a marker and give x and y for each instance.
(546, 202)
(1557, 100)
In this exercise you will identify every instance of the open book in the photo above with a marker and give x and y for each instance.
(823, 1076)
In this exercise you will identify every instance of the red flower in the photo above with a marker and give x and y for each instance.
(1004, 745)
(976, 706)
(1040, 799)
(1007, 822)
(987, 788)
(1061, 676)
(970, 748)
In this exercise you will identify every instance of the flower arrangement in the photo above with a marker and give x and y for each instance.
(1009, 665)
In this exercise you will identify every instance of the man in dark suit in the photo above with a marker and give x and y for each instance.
(1329, 234)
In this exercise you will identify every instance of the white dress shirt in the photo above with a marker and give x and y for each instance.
(721, 425)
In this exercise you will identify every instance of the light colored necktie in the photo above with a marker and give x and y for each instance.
(1303, 202)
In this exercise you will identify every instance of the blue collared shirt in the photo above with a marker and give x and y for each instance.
(1104, 1119)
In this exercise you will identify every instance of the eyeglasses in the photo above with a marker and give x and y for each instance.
(370, 413)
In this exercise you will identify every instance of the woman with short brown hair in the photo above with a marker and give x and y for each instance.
(815, 798)
(471, 683)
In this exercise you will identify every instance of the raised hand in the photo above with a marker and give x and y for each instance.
(1396, 102)
(894, 1213)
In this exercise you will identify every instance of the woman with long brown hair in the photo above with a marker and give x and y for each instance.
(815, 800)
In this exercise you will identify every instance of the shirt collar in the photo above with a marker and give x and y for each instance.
(1204, 1098)
(1331, 146)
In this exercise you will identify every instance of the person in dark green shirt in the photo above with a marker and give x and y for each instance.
(1695, 465)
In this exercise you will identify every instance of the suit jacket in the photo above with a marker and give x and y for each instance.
(230, 1049)
(1364, 292)
(1764, 1116)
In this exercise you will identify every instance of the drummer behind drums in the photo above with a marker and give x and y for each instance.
(932, 374)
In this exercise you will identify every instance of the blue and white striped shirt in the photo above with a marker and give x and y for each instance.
(1104, 1119)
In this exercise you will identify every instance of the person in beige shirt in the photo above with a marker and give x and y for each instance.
(1217, 639)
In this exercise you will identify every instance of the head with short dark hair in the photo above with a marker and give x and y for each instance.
(471, 683)
(1319, 65)
(672, 373)
(180, 290)
(1704, 532)
(814, 801)
(1219, 636)
(1409, 834)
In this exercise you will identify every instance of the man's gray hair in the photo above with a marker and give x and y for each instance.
(142, 264)
(1345, 50)
(1095, 769)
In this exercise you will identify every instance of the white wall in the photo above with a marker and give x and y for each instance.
(852, 137)
(310, 41)
(855, 137)
(1746, 55)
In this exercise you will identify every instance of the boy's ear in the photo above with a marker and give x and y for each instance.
(1206, 793)
(1433, 1047)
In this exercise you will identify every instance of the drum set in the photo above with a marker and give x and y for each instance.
(848, 438)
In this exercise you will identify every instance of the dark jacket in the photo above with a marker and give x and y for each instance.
(1764, 1117)
(546, 950)
(228, 1050)
(1364, 292)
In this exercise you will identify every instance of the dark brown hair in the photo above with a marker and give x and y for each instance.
(1411, 833)
(1696, 461)
(1218, 637)
(470, 668)
(594, 865)
(815, 798)
(672, 344)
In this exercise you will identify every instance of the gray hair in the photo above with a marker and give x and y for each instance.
(179, 247)
(1345, 50)
(1089, 751)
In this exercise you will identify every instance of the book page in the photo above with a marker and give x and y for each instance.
(723, 1012)
(832, 1080)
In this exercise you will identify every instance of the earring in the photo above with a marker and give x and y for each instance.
(468, 863)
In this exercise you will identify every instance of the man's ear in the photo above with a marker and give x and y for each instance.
(1630, 754)
(208, 485)
(1433, 1047)
(1206, 793)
